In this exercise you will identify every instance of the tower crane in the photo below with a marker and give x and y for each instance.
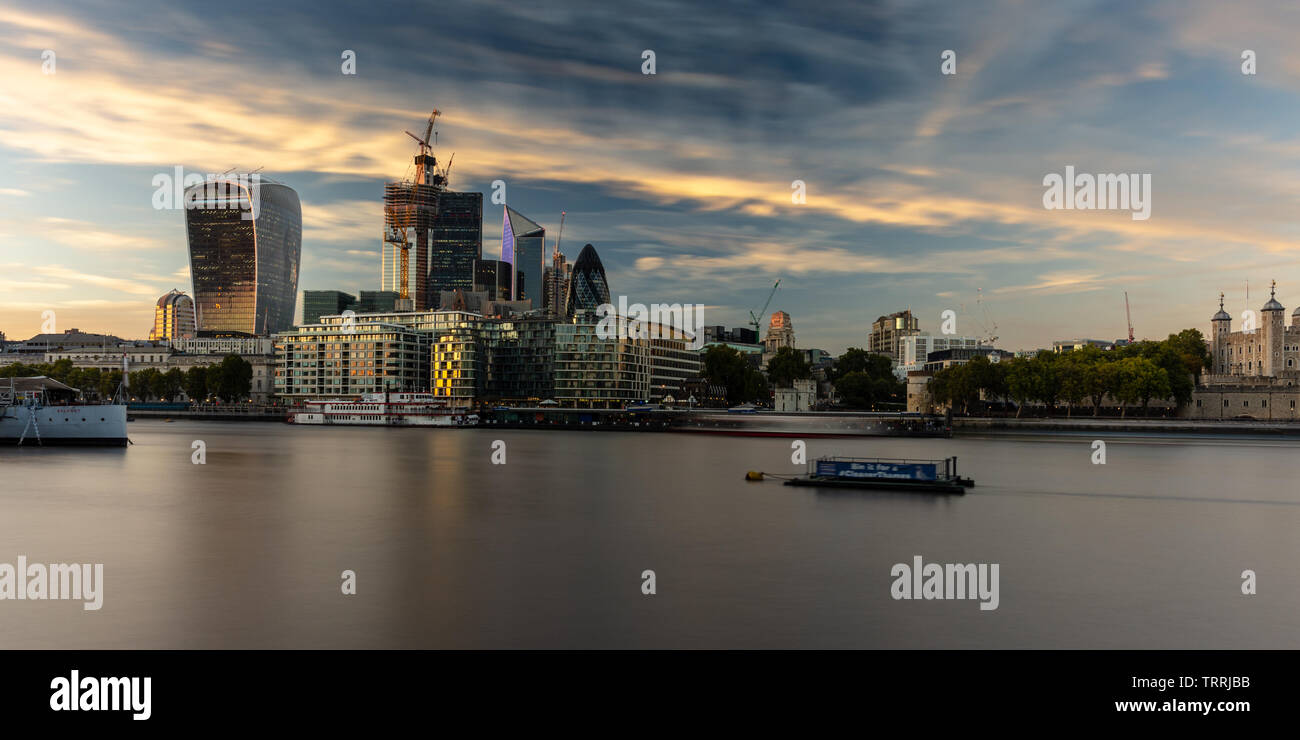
(1128, 315)
(560, 234)
(426, 173)
(757, 320)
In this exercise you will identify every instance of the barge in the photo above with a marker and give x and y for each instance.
(921, 476)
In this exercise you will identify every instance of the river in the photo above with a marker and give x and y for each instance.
(548, 549)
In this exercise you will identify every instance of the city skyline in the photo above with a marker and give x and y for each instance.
(922, 189)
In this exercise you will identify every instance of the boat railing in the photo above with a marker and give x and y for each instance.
(897, 460)
(945, 468)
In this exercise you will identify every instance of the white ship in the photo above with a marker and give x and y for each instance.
(382, 410)
(42, 411)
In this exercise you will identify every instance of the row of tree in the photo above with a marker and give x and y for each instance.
(229, 380)
(863, 380)
(1133, 375)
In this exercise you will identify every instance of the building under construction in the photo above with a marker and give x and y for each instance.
(443, 227)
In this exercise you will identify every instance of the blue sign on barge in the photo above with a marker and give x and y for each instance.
(925, 476)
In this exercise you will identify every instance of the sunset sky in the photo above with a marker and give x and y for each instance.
(922, 188)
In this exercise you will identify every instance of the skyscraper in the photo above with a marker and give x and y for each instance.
(318, 303)
(495, 278)
(377, 301)
(455, 242)
(522, 242)
(244, 269)
(588, 287)
(173, 318)
(555, 286)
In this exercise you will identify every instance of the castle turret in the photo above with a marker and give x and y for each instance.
(1270, 360)
(1220, 327)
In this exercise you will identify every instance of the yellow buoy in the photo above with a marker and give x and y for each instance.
(753, 475)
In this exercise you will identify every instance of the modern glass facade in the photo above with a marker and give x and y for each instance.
(591, 372)
(588, 287)
(318, 303)
(335, 361)
(245, 270)
(173, 318)
(377, 301)
(522, 242)
(494, 278)
(455, 242)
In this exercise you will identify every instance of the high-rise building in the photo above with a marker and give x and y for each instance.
(522, 242)
(377, 301)
(588, 287)
(318, 303)
(555, 284)
(888, 331)
(494, 277)
(455, 242)
(173, 318)
(245, 243)
(780, 332)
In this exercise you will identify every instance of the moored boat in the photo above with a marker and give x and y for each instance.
(924, 476)
(41, 411)
(382, 409)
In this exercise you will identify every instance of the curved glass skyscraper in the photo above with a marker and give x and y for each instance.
(588, 287)
(522, 242)
(245, 241)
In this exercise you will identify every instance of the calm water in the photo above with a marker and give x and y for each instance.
(547, 550)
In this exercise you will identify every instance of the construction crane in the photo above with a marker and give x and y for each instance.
(1128, 315)
(757, 320)
(990, 327)
(402, 218)
(560, 234)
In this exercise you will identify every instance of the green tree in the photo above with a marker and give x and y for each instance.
(857, 390)
(196, 384)
(729, 368)
(787, 366)
(169, 384)
(1022, 383)
(109, 380)
(1138, 380)
(234, 378)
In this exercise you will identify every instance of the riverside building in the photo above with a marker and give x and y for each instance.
(1253, 373)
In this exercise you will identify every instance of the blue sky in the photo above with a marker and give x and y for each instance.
(923, 189)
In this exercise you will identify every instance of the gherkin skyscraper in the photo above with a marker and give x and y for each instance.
(588, 287)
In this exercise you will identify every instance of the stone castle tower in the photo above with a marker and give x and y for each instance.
(1274, 329)
(1220, 328)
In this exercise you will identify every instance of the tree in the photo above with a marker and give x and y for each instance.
(231, 379)
(856, 359)
(1189, 345)
(169, 384)
(729, 368)
(142, 382)
(787, 366)
(878, 370)
(109, 380)
(1073, 370)
(1022, 384)
(196, 384)
(857, 390)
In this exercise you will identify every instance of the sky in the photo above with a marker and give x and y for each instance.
(923, 190)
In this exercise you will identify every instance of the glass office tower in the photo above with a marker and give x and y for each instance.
(522, 243)
(588, 287)
(318, 303)
(455, 242)
(245, 270)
